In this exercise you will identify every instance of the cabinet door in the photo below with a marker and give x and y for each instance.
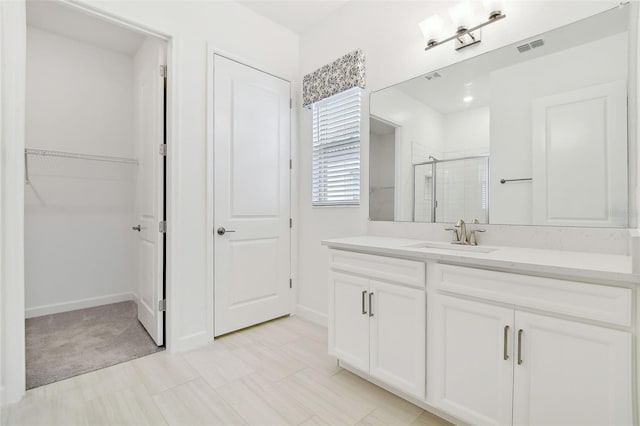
(470, 351)
(349, 319)
(397, 325)
(569, 373)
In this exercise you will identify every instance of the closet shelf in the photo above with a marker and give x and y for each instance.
(74, 155)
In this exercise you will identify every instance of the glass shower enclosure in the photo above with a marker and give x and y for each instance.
(451, 189)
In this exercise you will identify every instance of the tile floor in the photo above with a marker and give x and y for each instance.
(276, 373)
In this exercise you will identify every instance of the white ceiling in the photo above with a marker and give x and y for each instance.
(297, 15)
(58, 18)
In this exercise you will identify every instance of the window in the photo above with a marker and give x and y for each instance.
(336, 149)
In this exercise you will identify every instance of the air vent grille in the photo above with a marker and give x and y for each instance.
(531, 45)
(537, 43)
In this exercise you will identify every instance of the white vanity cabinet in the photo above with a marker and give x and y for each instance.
(377, 318)
(570, 373)
(467, 373)
(493, 361)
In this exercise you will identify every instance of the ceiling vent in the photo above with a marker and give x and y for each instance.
(531, 45)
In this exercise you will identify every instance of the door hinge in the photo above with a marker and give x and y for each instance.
(162, 305)
(162, 227)
(290, 282)
(163, 71)
(290, 103)
(290, 163)
(290, 223)
(163, 149)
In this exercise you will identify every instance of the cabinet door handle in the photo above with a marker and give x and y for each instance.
(505, 351)
(370, 304)
(520, 346)
(364, 310)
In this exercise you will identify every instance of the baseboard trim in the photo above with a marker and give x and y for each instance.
(312, 315)
(56, 308)
(191, 341)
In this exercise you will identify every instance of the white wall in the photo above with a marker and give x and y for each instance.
(466, 133)
(79, 247)
(594, 63)
(393, 55)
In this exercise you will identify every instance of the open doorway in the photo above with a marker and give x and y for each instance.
(95, 211)
(382, 159)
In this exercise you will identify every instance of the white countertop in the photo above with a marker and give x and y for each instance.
(590, 266)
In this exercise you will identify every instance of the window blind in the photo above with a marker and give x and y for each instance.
(336, 149)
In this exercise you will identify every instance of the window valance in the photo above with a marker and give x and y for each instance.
(342, 74)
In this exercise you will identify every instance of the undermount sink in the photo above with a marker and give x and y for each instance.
(452, 247)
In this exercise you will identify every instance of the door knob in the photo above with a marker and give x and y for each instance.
(222, 231)
(137, 228)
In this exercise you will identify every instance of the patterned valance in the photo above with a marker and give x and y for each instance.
(340, 75)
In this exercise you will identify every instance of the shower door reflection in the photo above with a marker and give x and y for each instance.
(451, 189)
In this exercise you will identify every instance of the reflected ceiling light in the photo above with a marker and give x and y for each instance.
(467, 99)
(463, 15)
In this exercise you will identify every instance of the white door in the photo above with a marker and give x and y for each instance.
(470, 353)
(580, 157)
(397, 326)
(349, 319)
(570, 373)
(251, 116)
(149, 122)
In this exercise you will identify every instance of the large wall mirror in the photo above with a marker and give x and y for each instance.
(534, 133)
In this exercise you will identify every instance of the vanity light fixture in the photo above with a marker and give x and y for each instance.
(462, 15)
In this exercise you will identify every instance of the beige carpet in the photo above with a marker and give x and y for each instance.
(64, 345)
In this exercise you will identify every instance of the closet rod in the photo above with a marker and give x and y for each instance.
(63, 154)
(74, 155)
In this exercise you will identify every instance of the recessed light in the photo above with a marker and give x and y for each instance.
(467, 98)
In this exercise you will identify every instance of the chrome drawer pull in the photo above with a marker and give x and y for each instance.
(520, 346)
(505, 352)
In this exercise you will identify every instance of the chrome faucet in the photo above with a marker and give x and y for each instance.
(460, 233)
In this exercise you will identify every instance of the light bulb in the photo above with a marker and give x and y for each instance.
(462, 15)
(467, 99)
(494, 8)
(432, 28)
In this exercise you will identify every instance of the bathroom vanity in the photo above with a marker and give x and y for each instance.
(489, 335)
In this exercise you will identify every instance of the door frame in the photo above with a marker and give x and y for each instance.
(210, 249)
(13, 64)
